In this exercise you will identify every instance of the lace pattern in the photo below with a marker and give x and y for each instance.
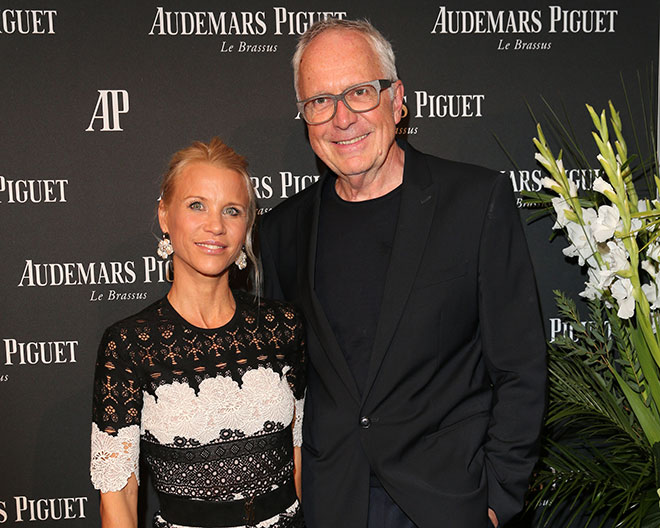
(224, 471)
(176, 412)
(114, 458)
(299, 407)
(290, 518)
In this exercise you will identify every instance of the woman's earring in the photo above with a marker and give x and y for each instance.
(165, 248)
(241, 260)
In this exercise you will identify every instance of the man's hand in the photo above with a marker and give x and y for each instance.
(493, 518)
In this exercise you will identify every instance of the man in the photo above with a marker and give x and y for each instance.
(426, 383)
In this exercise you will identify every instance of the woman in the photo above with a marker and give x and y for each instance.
(206, 384)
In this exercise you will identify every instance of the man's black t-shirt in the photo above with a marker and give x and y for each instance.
(352, 256)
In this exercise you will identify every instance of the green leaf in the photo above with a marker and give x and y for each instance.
(648, 366)
(648, 421)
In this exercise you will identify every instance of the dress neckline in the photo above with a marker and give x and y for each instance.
(231, 323)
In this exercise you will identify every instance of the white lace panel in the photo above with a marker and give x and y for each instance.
(114, 458)
(220, 404)
(298, 421)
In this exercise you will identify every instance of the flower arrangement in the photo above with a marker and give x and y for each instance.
(601, 462)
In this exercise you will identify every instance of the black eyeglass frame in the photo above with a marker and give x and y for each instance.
(379, 84)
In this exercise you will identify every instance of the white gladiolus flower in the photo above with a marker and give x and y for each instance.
(560, 206)
(542, 159)
(653, 251)
(590, 292)
(584, 254)
(622, 291)
(617, 256)
(599, 280)
(651, 293)
(583, 242)
(589, 215)
(600, 185)
(606, 223)
(560, 165)
(654, 206)
(572, 188)
(549, 183)
(635, 225)
(650, 268)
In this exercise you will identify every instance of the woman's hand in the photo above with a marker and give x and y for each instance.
(119, 508)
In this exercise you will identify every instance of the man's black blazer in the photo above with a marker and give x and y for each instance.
(452, 408)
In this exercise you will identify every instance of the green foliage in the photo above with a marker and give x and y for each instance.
(600, 464)
(597, 463)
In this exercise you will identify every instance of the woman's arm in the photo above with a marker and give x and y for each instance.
(115, 439)
(119, 508)
(297, 471)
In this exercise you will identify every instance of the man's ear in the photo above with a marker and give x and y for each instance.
(397, 101)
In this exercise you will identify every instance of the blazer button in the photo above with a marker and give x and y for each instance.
(365, 422)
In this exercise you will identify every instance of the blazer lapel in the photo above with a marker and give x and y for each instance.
(418, 198)
(308, 223)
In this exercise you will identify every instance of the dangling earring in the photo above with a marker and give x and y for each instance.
(165, 248)
(241, 260)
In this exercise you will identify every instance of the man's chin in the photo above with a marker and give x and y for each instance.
(352, 171)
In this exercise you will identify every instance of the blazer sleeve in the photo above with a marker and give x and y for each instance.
(514, 351)
(272, 287)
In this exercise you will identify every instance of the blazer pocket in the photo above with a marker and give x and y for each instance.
(451, 427)
(438, 276)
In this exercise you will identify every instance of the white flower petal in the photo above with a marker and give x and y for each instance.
(651, 293)
(650, 268)
(606, 223)
(600, 278)
(549, 183)
(561, 207)
(617, 256)
(590, 292)
(600, 185)
(653, 251)
(542, 159)
(622, 291)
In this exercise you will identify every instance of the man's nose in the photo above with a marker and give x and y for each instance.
(344, 117)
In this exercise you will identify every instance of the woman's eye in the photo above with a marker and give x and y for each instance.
(196, 206)
(232, 211)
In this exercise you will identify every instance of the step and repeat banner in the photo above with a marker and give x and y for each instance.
(96, 96)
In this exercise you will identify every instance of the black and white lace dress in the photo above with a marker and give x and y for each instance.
(214, 413)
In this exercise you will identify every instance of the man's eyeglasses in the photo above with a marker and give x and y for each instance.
(358, 98)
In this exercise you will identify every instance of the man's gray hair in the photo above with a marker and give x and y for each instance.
(380, 44)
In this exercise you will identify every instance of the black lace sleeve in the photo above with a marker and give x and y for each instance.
(296, 376)
(117, 388)
(116, 409)
(296, 356)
